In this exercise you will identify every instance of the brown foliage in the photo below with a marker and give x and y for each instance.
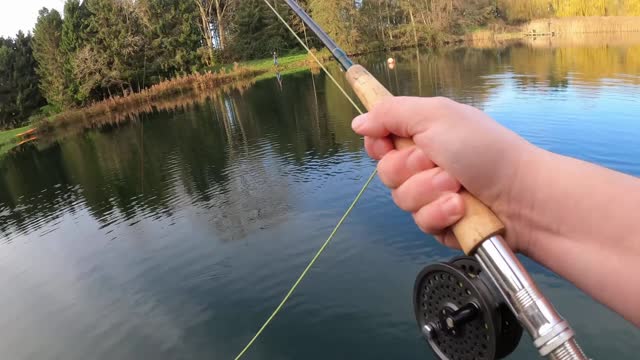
(167, 95)
(581, 24)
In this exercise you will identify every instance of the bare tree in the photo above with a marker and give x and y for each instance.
(205, 11)
(213, 11)
(221, 7)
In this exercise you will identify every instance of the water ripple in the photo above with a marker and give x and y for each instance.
(176, 236)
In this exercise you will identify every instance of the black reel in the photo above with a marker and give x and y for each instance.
(461, 313)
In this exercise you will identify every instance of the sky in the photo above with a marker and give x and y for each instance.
(22, 14)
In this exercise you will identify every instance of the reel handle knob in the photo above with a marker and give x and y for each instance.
(461, 316)
(479, 222)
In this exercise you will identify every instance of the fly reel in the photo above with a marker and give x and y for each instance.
(462, 314)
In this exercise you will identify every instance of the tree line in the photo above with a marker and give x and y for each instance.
(97, 49)
(518, 10)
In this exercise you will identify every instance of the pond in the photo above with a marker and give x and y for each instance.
(174, 235)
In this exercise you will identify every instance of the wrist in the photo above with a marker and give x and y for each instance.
(522, 206)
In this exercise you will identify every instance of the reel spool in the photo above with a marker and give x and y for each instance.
(461, 313)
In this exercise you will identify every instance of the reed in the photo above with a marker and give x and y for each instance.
(160, 96)
(120, 108)
(585, 40)
(100, 114)
(487, 38)
(583, 25)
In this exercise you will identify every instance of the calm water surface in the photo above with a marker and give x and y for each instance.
(173, 236)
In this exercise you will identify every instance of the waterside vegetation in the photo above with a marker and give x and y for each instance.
(108, 56)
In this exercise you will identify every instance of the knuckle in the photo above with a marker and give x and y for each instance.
(382, 109)
(448, 239)
(423, 223)
(389, 168)
(384, 171)
(385, 104)
(369, 144)
(423, 227)
(399, 199)
(403, 199)
(419, 222)
(442, 101)
(370, 150)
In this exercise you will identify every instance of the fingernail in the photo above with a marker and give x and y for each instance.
(358, 122)
(452, 206)
(442, 181)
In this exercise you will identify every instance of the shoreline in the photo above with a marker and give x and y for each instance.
(216, 78)
(225, 75)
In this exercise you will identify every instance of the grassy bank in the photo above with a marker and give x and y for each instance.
(9, 139)
(118, 108)
(285, 63)
(164, 94)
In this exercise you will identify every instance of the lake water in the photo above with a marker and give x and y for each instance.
(174, 235)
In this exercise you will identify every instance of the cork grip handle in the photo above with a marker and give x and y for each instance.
(479, 222)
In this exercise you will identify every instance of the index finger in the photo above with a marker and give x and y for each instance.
(401, 116)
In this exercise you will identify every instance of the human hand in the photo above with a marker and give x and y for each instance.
(455, 145)
(564, 213)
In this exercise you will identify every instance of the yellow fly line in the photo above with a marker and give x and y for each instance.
(342, 219)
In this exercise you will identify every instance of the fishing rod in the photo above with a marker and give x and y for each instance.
(473, 306)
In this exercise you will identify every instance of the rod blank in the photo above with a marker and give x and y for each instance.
(328, 42)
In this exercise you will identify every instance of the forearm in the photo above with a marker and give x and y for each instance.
(578, 219)
(585, 226)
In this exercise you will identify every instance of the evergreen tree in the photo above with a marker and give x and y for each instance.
(249, 22)
(19, 95)
(172, 37)
(278, 37)
(258, 32)
(110, 47)
(72, 26)
(71, 40)
(115, 38)
(28, 98)
(46, 50)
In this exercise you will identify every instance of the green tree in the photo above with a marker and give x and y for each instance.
(19, 95)
(257, 32)
(249, 22)
(6, 92)
(115, 39)
(28, 98)
(172, 37)
(71, 40)
(337, 18)
(47, 52)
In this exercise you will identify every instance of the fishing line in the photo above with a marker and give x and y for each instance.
(342, 219)
(313, 260)
(313, 56)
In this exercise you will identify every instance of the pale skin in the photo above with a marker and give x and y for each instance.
(580, 220)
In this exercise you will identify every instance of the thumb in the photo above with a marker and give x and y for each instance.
(400, 116)
(480, 153)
